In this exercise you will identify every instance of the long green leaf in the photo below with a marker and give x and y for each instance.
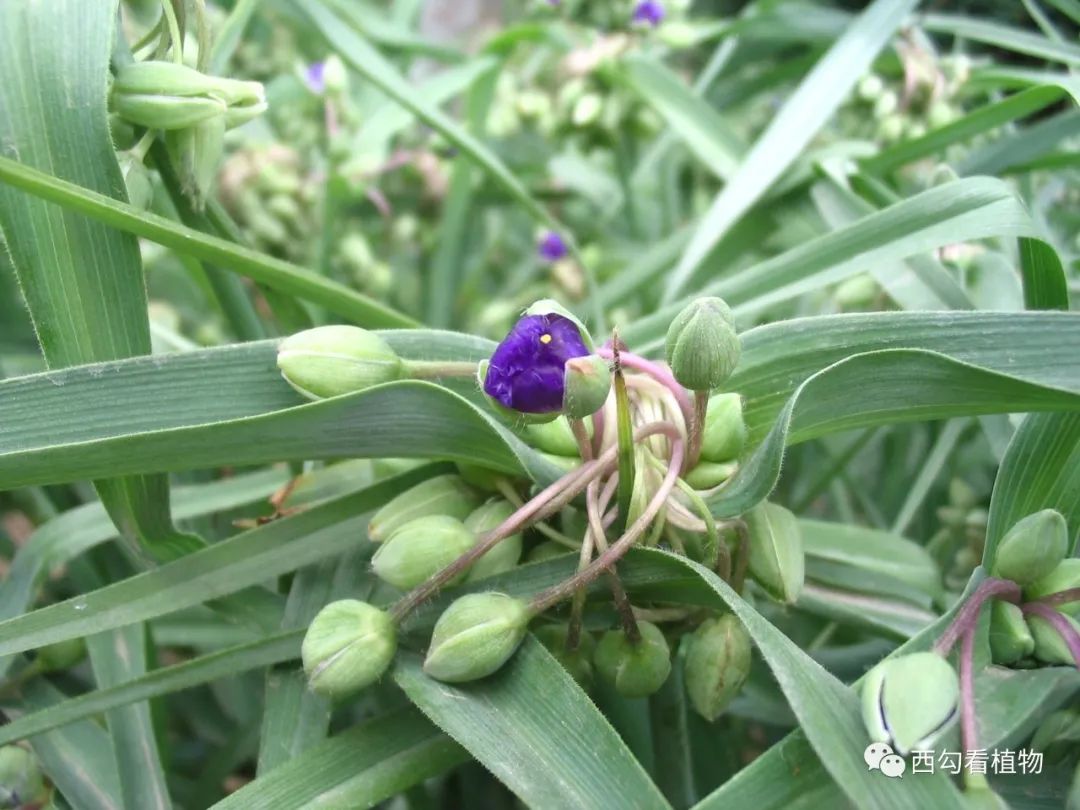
(275, 273)
(532, 726)
(1006, 37)
(791, 129)
(356, 769)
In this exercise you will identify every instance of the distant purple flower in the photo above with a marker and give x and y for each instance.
(649, 11)
(551, 247)
(527, 368)
(315, 76)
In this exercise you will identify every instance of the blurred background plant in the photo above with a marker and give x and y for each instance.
(447, 164)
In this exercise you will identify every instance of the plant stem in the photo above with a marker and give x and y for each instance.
(434, 369)
(968, 730)
(1060, 598)
(697, 429)
(968, 615)
(741, 559)
(625, 444)
(1059, 623)
(581, 436)
(557, 593)
(658, 372)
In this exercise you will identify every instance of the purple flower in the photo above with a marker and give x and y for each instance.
(551, 247)
(315, 76)
(649, 11)
(527, 368)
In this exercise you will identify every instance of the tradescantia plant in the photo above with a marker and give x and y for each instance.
(631, 404)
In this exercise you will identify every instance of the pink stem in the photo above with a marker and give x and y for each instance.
(968, 730)
(1061, 597)
(658, 372)
(1058, 622)
(968, 615)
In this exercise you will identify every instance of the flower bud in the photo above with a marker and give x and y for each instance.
(909, 700)
(1064, 577)
(140, 190)
(330, 360)
(725, 431)
(197, 152)
(707, 474)
(347, 647)
(1050, 647)
(475, 636)
(61, 655)
(166, 95)
(635, 669)
(777, 561)
(717, 664)
(587, 384)
(21, 784)
(578, 662)
(507, 553)
(1010, 638)
(420, 548)
(702, 347)
(445, 495)
(1032, 548)
(553, 437)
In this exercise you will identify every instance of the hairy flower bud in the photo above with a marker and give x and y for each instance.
(421, 548)
(708, 474)
(347, 647)
(1032, 548)
(717, 664)
(1050, 647)
(507, 553)
(1064, 577)
(777, 561)
(1010, 638)
(21, 784)
(634, 669)
(578, 662)
(167, 95)
(553, 437)
(475, 636)
(330, 360)
(446, 495)
(725, 431)
(702, 347)
(587, 382)
(909, 700)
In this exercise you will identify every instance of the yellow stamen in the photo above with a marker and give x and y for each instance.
(545, 339)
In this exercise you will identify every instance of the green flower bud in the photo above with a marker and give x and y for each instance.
(725, 431)
(587, 384)
(634, 669)
(335, 77)
(506, 554)
(475, 636)
(481, 478)
(587, 110)
(578, 662)
(166, 95)
(553, 437)
(330, 360)
(1050, 647)
(1010, 638)
(1032, 548)
(717, 665)
(777, 561)
(61, 655)
(870, 87)
(421, 548)
(1064, 577)
(702, 347)
(348, 646)
(140, 190)
(445, 495)
(886, 104)
(909, 700)
(21, 784)
(961, 494)
(891, 128)
(707, 474)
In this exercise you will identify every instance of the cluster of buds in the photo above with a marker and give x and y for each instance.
(21, 783)
(958, 545)
(191, 108)
(641, 443)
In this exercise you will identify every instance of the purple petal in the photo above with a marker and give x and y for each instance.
(526, 370)
(551, 247)
(316, 76)
(649, 11)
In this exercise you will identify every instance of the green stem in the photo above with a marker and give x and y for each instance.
(434, 369)
(174, 31)
(697, 429)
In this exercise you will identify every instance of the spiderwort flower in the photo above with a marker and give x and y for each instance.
(315, 76)
(527, 370)
(551, 247)
(649, 11)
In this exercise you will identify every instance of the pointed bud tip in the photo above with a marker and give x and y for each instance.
(328, 361)
(475, 636)
(348, 646)
(702, 346)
